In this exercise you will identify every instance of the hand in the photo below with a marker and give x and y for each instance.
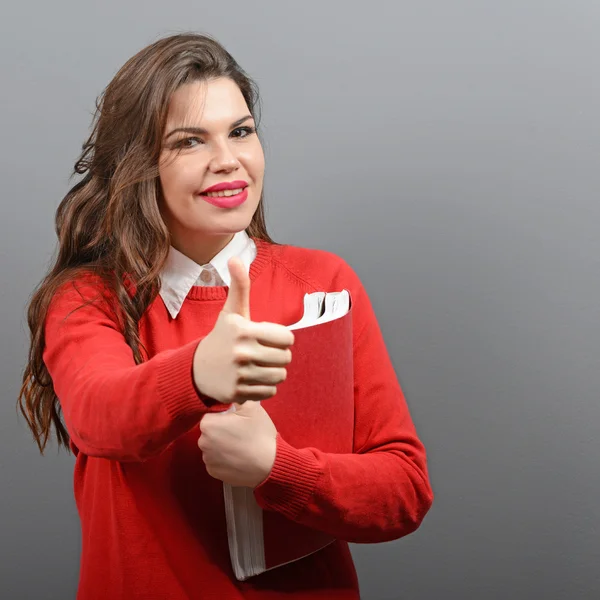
(240, 360)
(239, 447)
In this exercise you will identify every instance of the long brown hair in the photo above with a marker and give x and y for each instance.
(109, 222)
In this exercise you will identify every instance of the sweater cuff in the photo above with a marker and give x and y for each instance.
(176, 384)
(291, 482)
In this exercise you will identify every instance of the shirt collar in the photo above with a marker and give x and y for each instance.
(181, 273)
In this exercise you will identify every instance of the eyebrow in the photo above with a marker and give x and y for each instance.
(201, 131)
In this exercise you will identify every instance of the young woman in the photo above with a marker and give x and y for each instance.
(159, 313)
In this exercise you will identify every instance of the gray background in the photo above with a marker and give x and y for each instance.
(449, 151)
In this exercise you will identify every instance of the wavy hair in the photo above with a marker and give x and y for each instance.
(109, 223)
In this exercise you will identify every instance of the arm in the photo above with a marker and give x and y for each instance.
(112, 407)
(382, 491)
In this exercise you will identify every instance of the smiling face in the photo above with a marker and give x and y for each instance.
(209, 143)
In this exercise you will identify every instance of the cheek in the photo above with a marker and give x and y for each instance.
(166, 174)
(255, 162)
(260, 167)
(176, 178)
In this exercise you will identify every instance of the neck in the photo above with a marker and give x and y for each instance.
(202, 249)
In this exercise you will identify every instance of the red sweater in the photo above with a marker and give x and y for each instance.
(153, 520)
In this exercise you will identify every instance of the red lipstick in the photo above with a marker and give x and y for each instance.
(226, 185)
(226, 201)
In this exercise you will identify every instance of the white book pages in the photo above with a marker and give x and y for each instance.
(313, 308)
(337, 304)
(321, 307)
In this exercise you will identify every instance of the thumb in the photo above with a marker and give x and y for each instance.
(238, 297)
(246, 408)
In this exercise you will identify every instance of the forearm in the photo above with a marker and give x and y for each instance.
(374, 497)
(112, 407)
(131, 413)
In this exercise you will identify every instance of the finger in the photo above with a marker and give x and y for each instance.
(246, 408)
(271, 334)
(254, 393)
(238, 296)
(254, 375)
(254, 353)
(207, 421)
(267, 356)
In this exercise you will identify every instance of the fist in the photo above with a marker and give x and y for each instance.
(239, 447)
(241, 360)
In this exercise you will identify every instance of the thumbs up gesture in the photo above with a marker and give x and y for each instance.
(240, 360)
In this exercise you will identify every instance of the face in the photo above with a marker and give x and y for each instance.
(211, 167)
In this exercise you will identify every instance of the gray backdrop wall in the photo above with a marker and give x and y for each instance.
(449, 151)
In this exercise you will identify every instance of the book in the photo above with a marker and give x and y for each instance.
(313, 407)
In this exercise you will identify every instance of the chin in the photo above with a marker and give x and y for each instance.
(210, 221)
(235, 220)
(228, 224)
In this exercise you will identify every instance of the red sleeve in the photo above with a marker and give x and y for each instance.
(380, 492)
(112, 407)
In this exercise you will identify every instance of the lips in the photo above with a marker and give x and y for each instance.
(226, 185)
(231, 201)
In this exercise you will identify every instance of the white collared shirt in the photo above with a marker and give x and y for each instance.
(181, 273)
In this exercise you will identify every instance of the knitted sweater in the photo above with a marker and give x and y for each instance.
(152, 519)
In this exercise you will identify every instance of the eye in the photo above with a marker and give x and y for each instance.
(242, 132)
(189, 142)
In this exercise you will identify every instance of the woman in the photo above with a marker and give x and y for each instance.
(142, 333)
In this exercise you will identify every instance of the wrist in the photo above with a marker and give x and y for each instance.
(197, 381)
(267, 461)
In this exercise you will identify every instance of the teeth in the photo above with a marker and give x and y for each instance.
(224, 193)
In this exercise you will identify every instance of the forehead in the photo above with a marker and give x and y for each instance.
(202, 103)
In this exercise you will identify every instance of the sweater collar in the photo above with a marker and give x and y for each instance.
(181, 273)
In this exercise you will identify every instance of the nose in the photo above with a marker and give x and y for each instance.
(223, 159)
